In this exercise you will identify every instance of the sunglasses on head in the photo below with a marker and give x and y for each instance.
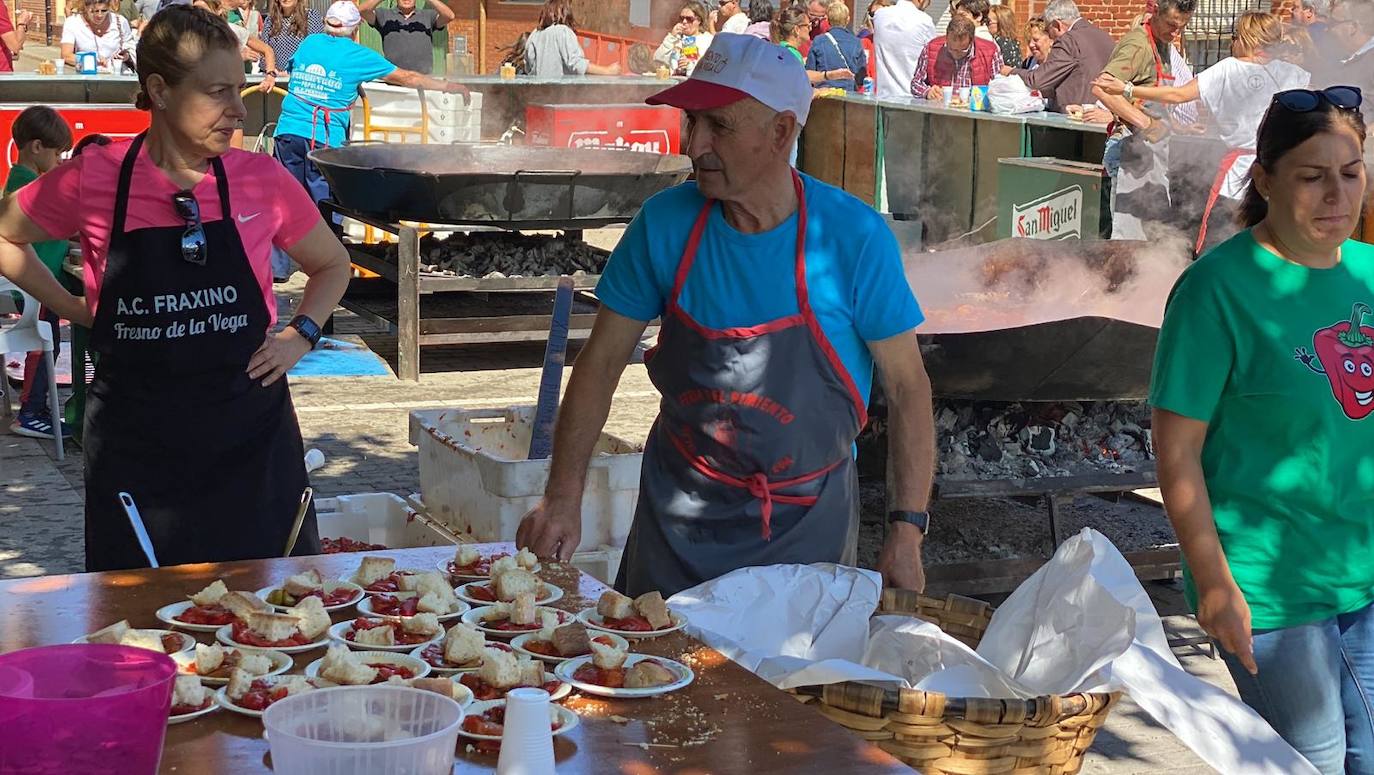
(1308, 100)
(193, 247)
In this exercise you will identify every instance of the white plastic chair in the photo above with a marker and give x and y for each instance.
(28, 335)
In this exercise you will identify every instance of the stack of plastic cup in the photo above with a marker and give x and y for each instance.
(527, 742)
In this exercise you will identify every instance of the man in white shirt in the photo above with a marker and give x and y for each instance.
(731, 18)
(900, 33)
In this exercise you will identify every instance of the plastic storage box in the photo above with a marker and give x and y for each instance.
(399, 107)
(476, 481)
(379, 518)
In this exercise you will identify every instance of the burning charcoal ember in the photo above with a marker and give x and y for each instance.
(1038, 440)
(992, 440)
(500, 254)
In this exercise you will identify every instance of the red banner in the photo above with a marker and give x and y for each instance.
(114, 121)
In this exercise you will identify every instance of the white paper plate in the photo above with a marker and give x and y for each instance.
(222, 697)
(340, 630)
(474, 617)
(445, 567)
(455, 670)
(418, 666)
(330, 585)
(565, 670)
(519, 644)
(183, 718)
(403, 571)
(188, 643)
(225, 635)
(594, 621)
(554, 594)
(281, 663)
(563, 690)
(365, 607)
(570, 720)
(167, 615)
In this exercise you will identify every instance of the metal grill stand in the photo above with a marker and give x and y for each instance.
(499, 309)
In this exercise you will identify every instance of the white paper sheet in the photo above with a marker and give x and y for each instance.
(1081, 623)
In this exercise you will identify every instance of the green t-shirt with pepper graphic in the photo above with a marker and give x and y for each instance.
(1278, 359)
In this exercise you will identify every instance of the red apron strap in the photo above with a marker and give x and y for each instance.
(809, 315)
(757, 484)
(315, 111)
(689, 253)
(1227, 162)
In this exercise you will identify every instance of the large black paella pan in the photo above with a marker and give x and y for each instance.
(500, 185)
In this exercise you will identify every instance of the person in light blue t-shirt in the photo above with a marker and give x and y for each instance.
(777, 295)
(326, 72)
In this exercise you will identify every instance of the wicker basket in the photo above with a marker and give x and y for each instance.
(937, 734)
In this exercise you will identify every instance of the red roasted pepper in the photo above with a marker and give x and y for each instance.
(1346, 354)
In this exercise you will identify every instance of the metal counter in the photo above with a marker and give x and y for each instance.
(940, 164)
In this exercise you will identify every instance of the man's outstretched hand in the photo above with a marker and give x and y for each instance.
(553, 529)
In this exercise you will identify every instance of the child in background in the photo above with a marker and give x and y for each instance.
(42, 137)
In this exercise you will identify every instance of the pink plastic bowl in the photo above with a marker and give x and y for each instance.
(84, 708)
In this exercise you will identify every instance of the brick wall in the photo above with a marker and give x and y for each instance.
(506, 21)
(38, 33)
(1114, 16)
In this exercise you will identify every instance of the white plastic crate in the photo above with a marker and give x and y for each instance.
(397, 106)
(476, 481)
(378, 518)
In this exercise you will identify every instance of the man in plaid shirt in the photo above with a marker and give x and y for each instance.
(955, 60)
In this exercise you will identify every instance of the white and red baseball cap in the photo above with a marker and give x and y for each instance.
(739, 66)
(343, 13)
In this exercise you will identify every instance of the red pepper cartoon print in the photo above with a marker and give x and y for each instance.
(1344, 352)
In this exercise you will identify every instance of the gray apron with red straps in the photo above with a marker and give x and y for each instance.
(213, 459)
(750, 461)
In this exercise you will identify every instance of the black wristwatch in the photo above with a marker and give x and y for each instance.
(920, 519)
(306, 328)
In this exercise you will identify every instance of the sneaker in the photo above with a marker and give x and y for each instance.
(37, 427)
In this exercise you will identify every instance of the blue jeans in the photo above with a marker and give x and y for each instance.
(291, 151)
(33, 400)
(1111, 156)
(1315, 687)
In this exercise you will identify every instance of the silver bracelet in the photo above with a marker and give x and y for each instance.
(1129, 91)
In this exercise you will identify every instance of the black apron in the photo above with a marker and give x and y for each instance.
(213, 459)
(750, 461)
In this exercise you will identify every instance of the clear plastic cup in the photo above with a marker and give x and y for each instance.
(527, 740)
(84, 708)
(362, 730)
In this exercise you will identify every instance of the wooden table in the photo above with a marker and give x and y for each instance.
(727, 721)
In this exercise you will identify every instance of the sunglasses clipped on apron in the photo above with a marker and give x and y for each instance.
(213, 459)
(750, 461)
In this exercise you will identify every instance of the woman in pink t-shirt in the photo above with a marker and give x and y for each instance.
(189, 411)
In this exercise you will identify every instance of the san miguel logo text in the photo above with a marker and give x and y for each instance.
(1344, 353)
(1057, 216)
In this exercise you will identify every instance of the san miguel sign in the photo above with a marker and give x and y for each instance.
(1056, 216)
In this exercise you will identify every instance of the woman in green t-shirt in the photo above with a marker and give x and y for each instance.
(1263, 394)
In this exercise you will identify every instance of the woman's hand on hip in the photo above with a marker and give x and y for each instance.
(278, 353)
(1223, 614)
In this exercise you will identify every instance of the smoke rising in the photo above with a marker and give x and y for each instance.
(1022, 282)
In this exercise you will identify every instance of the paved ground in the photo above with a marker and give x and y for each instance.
(361, 425)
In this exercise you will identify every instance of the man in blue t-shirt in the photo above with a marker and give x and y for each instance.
(777, 295)
(326, 73)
